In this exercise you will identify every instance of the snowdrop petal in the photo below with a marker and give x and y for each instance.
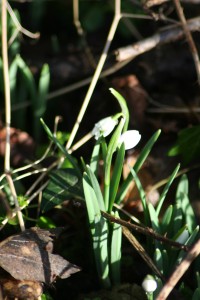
(104, 127)
(149, 284)
(130, 139)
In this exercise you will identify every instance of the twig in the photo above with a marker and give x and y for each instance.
(19, 26)
(167, 35)
(17, 207)
(97, 73)
(179, 271)
(13, 214)
(150, 3)
(144, 230)
(6, 85)
(81, 33)
(189, 38)
(141, 251)
(8, 110)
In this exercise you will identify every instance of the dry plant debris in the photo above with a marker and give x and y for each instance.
(28, 258)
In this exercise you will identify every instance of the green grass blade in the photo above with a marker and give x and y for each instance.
(166, 188)
(94, 161)
(99, 232)
(117, 172)
(154, 218)
(142, 197)
(191, 240)
(164, 224)
(158, 260)
(96, 188)
(182, 196)
(115, 255)
(40, 101)
(28, 76)
(123, 105)
(113, 144)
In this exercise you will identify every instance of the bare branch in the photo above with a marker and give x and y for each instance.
(189, 38)
(179, 271)
(170, 34)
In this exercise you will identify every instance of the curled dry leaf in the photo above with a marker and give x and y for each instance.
(28, 256)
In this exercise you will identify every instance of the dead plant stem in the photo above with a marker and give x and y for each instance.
(179, 271)
(97, 73)
(8, 110)
(189, 38)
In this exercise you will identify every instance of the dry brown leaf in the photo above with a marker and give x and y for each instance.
(28, 256)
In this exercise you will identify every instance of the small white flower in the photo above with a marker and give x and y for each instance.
(149, 284)
(104, 127)
(130, 138)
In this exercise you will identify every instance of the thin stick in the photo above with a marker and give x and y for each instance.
(81, 33)
(8, 110)
(19, 26)
(166, 35)
(81, 142)
(144, 230)
(17, 207)
(189, 38)
(98, 70)
(141, 251)
(6, 85)
(179, 271)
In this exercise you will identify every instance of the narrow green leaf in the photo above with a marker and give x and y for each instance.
(115, 255)
(64, 184)
(153, 218)
(166, 188)
(43, 88)
(94, 161)
(123, 105)
(142, 197)
(99, 232)
(191, 240)
(28, 76)
(113, 144)
(167, 218)
(117, 172)
(158, 259)
(96, 188)
(39, 104)
(182, 196)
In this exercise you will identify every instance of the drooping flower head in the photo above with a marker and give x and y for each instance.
(104, 127)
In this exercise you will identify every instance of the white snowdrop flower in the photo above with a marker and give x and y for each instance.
(104, 127)
(149, 284)
(130, 138)
(182, 238)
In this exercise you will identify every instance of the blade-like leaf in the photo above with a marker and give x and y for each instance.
(99, 232)
(64, 184)
(96, 187)
(117, 172)
(166, 188)
(123, 105)
(115, 255)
